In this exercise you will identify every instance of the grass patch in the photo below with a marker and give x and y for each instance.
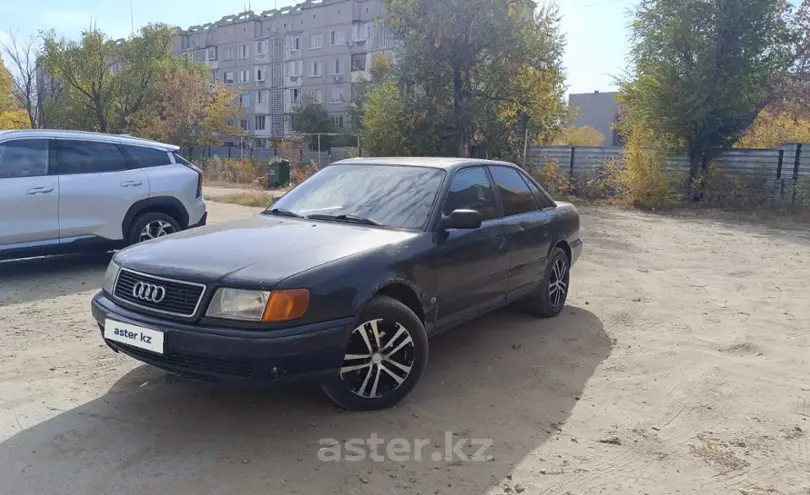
(253, 199)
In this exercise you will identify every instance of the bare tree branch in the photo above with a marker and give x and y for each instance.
(22, 55)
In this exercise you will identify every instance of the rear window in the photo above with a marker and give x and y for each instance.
(142, 157)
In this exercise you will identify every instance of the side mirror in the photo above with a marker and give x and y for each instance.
(462, 219)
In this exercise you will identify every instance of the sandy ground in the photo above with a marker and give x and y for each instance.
(680, 366)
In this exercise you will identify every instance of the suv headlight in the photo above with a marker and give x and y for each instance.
(254, 305)
(108, 285)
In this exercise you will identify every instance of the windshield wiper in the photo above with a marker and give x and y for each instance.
(347, 218)
(283, 212)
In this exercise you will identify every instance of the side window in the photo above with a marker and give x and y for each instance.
(541, 197)
(471, 190)
(89, 157)
(24, 158)
(515, 194)
(142, 157)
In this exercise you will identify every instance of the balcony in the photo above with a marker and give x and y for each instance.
(294, 54)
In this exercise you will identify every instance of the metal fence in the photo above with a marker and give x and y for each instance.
(779, 169)
(323, 157)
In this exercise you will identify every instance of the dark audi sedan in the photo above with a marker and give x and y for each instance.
(343, 279)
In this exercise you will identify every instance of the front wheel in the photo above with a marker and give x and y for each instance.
(549, 299)
(385, 356)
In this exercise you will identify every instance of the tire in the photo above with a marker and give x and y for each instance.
(542, 302)
(354, 389)
(153, 219)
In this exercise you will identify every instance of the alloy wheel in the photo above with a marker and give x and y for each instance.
(379, 358)
(558, 285)
(155, 229)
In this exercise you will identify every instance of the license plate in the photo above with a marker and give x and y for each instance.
(133, 335)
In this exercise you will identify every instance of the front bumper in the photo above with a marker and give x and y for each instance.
(230, 355)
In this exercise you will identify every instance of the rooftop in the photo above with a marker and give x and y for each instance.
(432, 162)
(94, 136)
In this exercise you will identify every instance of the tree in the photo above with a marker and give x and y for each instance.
(12, 116)
(771, 129)
(480, 72)
(311, 118)
(579, 136)
(105, 83)
(702, 70)
(22, 56)
(186, 111)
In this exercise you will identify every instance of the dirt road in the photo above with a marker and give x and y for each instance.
(680, 366)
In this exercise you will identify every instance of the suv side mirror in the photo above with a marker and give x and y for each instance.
(462, 219)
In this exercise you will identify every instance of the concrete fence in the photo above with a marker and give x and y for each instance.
(778, 169)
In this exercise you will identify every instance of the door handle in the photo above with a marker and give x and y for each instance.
(502, 244)
(39, 190)
(131, 183)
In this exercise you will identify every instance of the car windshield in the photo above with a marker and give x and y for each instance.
(392, 196)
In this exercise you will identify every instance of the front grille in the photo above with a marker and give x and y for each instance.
(180, 299)
(204, 367)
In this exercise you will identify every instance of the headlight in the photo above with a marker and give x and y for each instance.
(108, 285)
(253, 305)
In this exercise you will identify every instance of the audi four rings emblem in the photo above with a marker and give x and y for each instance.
(148, 292)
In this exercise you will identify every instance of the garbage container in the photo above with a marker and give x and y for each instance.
(278, 173)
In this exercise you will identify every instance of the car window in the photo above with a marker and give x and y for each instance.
(541, 197)
(393, 196)
(471, 190)
(23, 158)
(143, 157)
(515, 194)
(89, 157)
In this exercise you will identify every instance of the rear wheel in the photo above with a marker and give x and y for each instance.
(152, 226)
(385, 356)
(549, 299)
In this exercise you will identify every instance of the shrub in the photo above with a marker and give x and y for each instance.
(737, 191)
(556, 181)
(643, 180)
(229, 170)
(302, 171)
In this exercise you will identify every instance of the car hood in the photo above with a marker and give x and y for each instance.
(259, 252)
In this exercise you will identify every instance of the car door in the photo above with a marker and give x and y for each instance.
(472, 265)
(526, 228)
(29, 194)
(96, 189)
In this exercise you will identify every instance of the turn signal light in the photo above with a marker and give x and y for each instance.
(286, 305)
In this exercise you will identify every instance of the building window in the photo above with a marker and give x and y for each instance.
(260, 73)
(295, 96)
(244, 76)
(315, 41)
(336, 95)
(116, 68)
(259, 143)
(338, 38)
(244, 124)
(260, 97)
(315, 96)
(261, 122)
(337, 122)
(337, 67)
(359, 32)
(244, 100)
(244, 51)
(296, 43)
(229, 53)
(228, 78)
(259, 47)
(315, 69)
(359, 61)
(384, 41)
(212, 53)
(295, 68)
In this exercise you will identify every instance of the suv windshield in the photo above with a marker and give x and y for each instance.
(392, 196)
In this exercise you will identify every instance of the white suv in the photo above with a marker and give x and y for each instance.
(66, 191)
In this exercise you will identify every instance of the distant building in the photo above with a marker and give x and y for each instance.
(600, 111)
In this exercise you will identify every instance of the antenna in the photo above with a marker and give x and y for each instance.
(131, 18)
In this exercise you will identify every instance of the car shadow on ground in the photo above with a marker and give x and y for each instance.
(34, 279)
(507, 377)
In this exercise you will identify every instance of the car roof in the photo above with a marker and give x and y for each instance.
(87, 136)
(428, 161)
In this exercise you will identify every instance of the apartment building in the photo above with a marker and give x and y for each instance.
(279, 58)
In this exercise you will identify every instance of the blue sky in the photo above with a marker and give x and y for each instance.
(596, 29)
